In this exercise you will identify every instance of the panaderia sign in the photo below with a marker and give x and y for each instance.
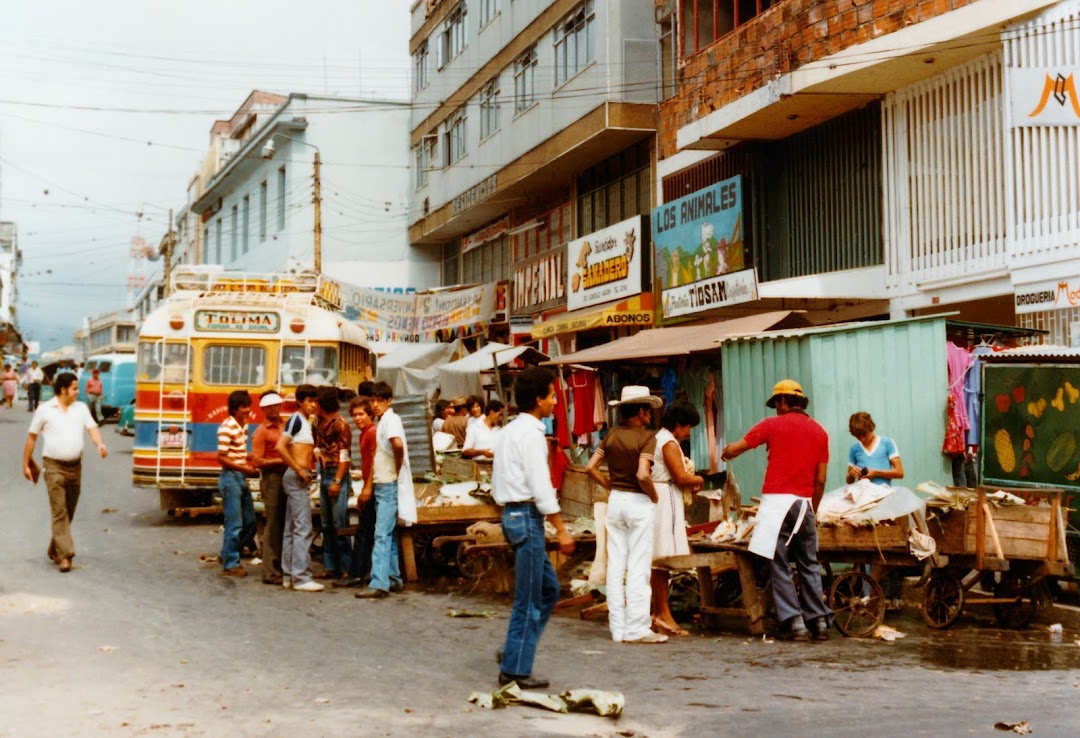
(605, 265)
(1040, 296)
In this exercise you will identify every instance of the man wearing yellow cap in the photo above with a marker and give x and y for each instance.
(786, 530)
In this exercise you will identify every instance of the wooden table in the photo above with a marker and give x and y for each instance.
(709, 559)
(456, 517)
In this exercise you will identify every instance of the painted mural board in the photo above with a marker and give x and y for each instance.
(605, 265)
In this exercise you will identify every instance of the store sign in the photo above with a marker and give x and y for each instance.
(1044, 96)
(242, 321)
(419, 316)
(540, 281)
(698, 241)
(502, 302)
(707, 294)
(605, 265)
(634, 311)
(1054, 295)
(474, 195)
(482, 236)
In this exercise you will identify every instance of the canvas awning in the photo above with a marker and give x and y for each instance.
(462, 377)
(679, 340)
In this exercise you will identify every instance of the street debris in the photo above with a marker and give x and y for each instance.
(210, 559)
(106, 649)
(600, 702)
(888, 633)
(1022, 727)
(470, 613)
(107, 510)
(322, 700)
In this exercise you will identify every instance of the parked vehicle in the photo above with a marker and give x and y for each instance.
(117, 373)
(224, 331)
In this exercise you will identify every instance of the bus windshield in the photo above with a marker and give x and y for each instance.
(176, 362)
(317, 365)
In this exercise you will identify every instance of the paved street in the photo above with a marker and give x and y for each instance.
(141, 639)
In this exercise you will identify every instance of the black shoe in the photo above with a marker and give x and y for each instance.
(354, 582)
(793, 630)
(525, 682)
(372, 594)
(819, 629)
(498, 656)
(397, 587)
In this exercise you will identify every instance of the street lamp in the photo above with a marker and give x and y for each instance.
(268, 153)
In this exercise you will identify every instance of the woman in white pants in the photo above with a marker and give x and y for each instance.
(628, 450)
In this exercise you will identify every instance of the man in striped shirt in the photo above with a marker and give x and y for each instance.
(236, 466)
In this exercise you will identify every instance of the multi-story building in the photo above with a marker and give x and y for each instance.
(255, 196)
(887, 157)
(111, 333)
(10, 261)
(533, 124)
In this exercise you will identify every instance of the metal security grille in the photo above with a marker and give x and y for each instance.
(238, 366)
(1045, 205)
(823, 198)
(945, 176)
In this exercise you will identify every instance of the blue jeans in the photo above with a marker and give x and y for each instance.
(384, 556)
(536, 587)
(239, 516)
(334, 513)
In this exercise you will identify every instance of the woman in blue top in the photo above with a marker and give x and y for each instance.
(873, 457)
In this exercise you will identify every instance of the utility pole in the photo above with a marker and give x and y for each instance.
(167, 253)
(318, 218)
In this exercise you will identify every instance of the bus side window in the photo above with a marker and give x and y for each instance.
(237, 366)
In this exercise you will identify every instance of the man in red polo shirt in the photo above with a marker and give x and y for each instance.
(272, 468)
(786, 530)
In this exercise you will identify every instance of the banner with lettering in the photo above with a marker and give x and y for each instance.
(697, 239)
(605, 265)
(418, 317)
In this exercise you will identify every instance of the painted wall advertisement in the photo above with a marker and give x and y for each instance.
(1044, 96)
(698, 242)
(540, 283)
(605, 265)
(1051, 295)
(417, 317)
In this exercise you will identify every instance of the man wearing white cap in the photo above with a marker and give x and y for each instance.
(628, 450)
(271, 466)
(786, 530)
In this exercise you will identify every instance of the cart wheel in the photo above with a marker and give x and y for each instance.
(474, 565)
(857, 602)
(943, 600)
(1019, 614)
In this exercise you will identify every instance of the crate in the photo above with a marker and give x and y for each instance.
(1024, 532)
(457, 514)
(839, 538)
(578, 492)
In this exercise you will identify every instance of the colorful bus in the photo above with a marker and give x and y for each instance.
(221, 331)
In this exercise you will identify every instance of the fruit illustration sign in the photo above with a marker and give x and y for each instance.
(698, 243)
(605, 265)
(1031, 425)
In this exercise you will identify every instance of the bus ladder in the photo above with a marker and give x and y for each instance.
(160, 349)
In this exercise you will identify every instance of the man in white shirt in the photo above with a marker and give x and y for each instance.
(61, 421)
(521, 483)
(480, 437)
(34, 379)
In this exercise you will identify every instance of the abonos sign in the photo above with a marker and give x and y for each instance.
(1040, 296)
(605, 265)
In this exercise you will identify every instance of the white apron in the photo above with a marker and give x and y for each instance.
(770, 517)
(406, 494)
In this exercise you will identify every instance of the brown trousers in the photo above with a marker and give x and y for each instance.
(272, 492)
(62, 480)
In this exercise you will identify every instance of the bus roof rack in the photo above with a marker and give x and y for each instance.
(213, 280)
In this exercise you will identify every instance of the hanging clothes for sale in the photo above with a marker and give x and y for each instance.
(693, 382)
(669, 382)
(972, 390)
(709, 413)
(959, 362)
(558, 460)
(583, 384)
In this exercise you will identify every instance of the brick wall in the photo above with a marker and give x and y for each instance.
(782, 38)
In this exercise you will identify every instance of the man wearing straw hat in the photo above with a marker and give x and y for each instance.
(628, 450)
(786, 530)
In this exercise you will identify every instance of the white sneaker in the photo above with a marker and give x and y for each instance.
(308, 587)
(286, 582)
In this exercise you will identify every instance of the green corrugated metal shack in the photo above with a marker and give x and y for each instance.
(894, 370)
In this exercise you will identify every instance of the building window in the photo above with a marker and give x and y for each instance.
(262, 211)
(452, 38)
(545, 232)
(488, 262)
(281, 199)
(575, 42)
(234, 232)
(450, 265)
(489, 109)
(420, 72)
(706, 21)
(617, 188)
(525, 81)
(217, 241)
(488, 9)
(421, 161)
(455, 136)
(669, 57)
(245, 243)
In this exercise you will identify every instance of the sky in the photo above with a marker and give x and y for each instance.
(105, 114)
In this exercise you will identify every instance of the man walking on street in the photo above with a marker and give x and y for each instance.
(388, 470)
(786, 529)
(296, 446)
(34, 378)
(522, 485)
(271, 466)
(94, 391)
(333, 440)
(236, 503)
(61, 421)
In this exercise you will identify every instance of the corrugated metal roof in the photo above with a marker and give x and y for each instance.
(817, 330)
(1037, 353)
